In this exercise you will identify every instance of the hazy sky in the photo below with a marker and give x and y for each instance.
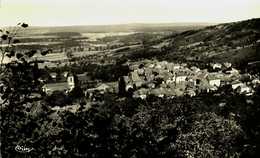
(90, 12)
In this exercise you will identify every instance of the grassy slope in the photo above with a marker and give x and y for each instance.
(234, 42)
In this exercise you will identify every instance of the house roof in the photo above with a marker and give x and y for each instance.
(182, 73)
(135, 76)
(213, 77)
(201, 75)
(65, 74)
(142, 91)
(236, 82)
(83, 77)
(244, 86)
(103, 86)
(53, 74)
(157, 91)
(57, 86)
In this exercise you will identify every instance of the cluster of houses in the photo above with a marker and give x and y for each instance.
(171, 79)
(162, 79)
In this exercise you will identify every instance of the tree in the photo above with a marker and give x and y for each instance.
(58, 98)
(19, 85)
(19, 78)
(121, 86)
(210, 136)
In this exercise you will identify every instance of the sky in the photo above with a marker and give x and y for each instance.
(103, 12)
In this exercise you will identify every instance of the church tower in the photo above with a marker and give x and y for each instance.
(71, 81)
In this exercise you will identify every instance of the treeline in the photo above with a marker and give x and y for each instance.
(106, 72)
(63, 34)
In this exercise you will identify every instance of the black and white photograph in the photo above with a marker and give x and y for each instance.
(130, 78)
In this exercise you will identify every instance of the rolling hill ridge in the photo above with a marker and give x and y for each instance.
(233, 42)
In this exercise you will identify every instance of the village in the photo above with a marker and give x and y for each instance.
(161, 79)
(171, 80)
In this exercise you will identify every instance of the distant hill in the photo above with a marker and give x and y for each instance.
(236, 42)
(136, 27)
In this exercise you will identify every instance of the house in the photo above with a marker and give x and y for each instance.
(245, 89)
(204, 86)
(236, 84)
(65, 86)
(129, 86)
(84, 80)
(169, 81)
(176, 67)
(151, 66)
(158, 66)
(190, 93)
(232, 71)
(53, 75)
(151, 85)
(160, 46)
(135, 76)
(201, 75)
(170, 66)
(195, 69)
(159, 92)
(102, 88)
(149, 75)
(181, 78)
(227, 65)
(126, 79)
(138, 84)
(51, 87)
(216, 66)
(164, 74)
(140, 71)
(256, 82)
(213, 88)
(65, 74)
(184, 64)
(214, 82)
(192, 82)
(141, 93)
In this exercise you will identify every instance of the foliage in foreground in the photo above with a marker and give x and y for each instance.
(156, 127)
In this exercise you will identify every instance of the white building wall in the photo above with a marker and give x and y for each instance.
(71, 82)
(181, 79)
(214, 82)
(235, 86)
